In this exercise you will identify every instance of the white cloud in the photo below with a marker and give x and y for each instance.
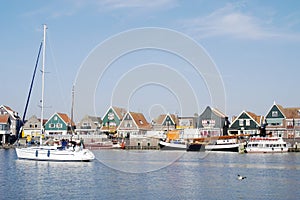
(229, 21)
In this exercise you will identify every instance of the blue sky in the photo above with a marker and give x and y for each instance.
(254, 44)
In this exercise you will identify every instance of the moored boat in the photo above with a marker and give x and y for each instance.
(173, 145)
(196, 146)
(223, 144)
(266, 145)
(54, 153)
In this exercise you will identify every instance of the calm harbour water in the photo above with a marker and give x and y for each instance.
(118, 174)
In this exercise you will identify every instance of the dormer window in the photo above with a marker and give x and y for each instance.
(274, 113)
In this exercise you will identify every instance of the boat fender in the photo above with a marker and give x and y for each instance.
(36, 153)
(48, 154)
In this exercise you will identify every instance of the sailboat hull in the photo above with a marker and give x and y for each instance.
(54, 154)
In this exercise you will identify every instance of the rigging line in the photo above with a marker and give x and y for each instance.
(32, 81)
(58, 77)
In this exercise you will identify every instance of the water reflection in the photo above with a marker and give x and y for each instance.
(190, 177)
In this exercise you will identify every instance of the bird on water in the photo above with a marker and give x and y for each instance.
(241, 177)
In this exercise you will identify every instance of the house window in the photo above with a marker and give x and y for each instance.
(241, 122)
(128, 124)
(111, 116)
(30, 125)
(51, 125)
(274, 113)
(141, 122)
(55, 118)
(35, 126)
(127, 117)
(247, 122)
(58, 125)
(86, 124)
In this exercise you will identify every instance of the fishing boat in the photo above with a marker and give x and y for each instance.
(266, 145)
(223, 144)
(52, 153)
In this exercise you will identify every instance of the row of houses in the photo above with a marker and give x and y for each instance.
(118, 122)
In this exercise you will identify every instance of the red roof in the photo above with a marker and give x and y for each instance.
(66, 118)
(4, 119)
(140, 120)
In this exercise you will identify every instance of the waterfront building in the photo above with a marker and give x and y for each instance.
(186, 122)
(32, 126)
(133, 125)
(246, 123)
(59, 124)
(283, 122)
(112, 120)
(15, 123)
(165, 122)
(5, 124)
(212, 122)
(89, 125)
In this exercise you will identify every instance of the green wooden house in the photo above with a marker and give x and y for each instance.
(283, 122)
(112, 119)
(246, 123)
(59, 124)
(275, 119)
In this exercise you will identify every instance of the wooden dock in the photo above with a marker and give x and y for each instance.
(142, 147)
(293, 149)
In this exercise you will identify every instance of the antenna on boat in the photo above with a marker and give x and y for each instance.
(43, 83)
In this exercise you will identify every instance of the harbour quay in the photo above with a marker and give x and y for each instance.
(142, 144)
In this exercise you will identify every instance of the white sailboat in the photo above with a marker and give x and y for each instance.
(52, 153)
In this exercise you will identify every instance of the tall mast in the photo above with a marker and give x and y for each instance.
(72, 110)
(43, 78)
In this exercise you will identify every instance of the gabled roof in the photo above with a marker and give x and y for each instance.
(256, 118)
(280, 109)
(7, 108)
(92, 118)
(34, 117)
(10, 111)
(218, 112)
(4, 119)
(140, 120)
(119, 111)
(65, 118)
(162, 118)
(288, 113)
(292, 113)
